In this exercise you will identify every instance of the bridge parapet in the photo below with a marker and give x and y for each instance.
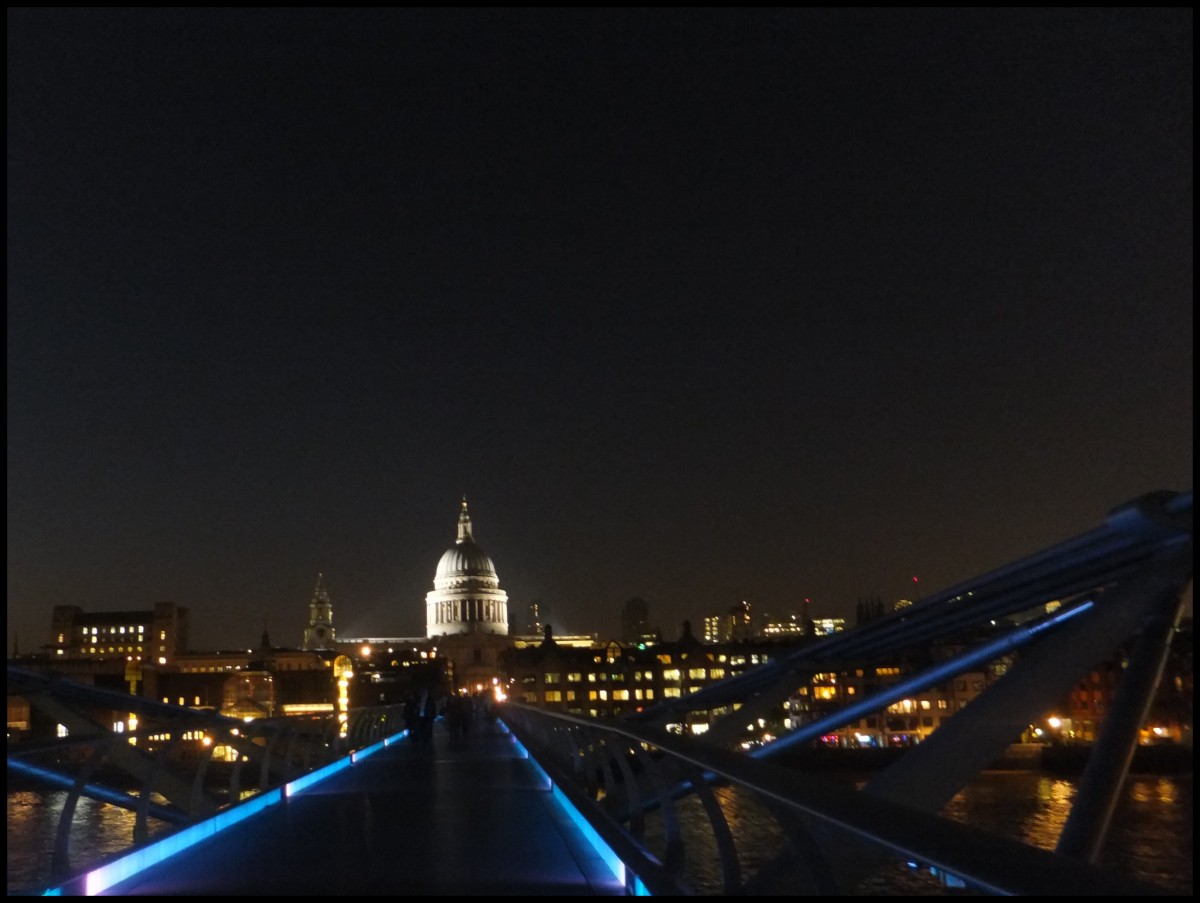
(1054, 614)
(199, 761)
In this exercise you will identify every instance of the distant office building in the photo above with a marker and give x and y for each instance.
(789, 625)
(716, 629)
(156, 635)
(466, 596)
(828, 626)
(635, 622)
(319, 635)
(741, 624)
(533, 618)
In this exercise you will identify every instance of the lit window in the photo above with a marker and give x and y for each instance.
(553, 695)
(696, 673)
(621, 695)
(552, 677)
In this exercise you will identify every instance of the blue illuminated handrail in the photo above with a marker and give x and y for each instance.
(1122, 582)
(143, 763)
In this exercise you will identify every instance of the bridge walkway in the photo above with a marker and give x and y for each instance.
(458, 816)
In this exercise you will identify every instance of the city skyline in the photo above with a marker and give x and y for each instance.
(693, 305)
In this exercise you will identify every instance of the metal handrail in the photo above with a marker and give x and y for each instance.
(630, 773)
(1119, 584)
(130, 770)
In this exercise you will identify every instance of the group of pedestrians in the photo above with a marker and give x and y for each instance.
(462, 713)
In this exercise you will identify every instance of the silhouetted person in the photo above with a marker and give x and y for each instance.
(412, 715)
(428, 714)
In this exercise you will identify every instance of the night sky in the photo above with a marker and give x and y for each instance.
(696, 305)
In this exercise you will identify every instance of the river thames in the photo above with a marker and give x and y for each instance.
(1151, 835)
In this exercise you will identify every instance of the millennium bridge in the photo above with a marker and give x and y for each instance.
(545, 803)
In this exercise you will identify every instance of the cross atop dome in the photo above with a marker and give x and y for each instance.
(464, 524)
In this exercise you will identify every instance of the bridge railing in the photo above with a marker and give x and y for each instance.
(690, 819)
(178, 767)
(1052, 617)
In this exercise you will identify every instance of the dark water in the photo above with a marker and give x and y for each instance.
(1151, 836)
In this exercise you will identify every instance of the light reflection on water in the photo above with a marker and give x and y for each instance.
(1150, 837)
(98, 830)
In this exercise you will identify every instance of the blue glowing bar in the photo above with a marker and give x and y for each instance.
(603, 850)
(106, 876)
(101, 879)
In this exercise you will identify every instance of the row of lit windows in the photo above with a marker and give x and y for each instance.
(593, 695)
(186, 735)
(99, 631)
(206, 669)
(733, 660)
(672, 674)
(908, 706)
(102, 649)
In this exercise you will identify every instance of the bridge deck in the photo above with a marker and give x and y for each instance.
(460, 816)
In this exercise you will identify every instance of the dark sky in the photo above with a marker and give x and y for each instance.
(694, 305)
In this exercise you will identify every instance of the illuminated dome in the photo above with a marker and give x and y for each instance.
(462, 562)
(466, 596)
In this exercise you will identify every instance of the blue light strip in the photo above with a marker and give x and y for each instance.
(603, 850)
(107, 876)
(127, 866)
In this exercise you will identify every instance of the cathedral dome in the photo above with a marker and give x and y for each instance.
(466, 596)
(465, 560)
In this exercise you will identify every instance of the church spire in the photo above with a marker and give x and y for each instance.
(320, 594)
(319, 634)
(464, 524)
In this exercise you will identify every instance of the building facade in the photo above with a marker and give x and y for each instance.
(155, 635)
